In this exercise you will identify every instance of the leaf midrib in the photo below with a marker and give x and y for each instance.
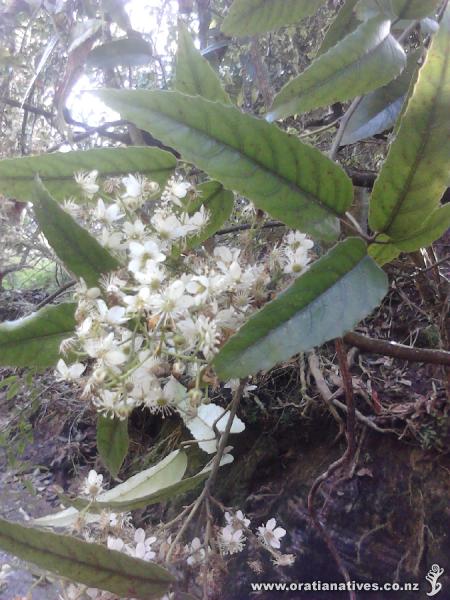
(286, 182)
(336, 74)
(42, 550)
(421, 150)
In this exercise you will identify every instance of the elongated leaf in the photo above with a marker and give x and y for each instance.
(250, 17)
(290, 180)
(164, 493)
(328, 300)
(34, 341)
(194, 74)
(131, 52)
(401, 9)
(218, 202)
(90, 564)
(112, 442)
(435, 226)
(344, 23)
(379, 110)
(78, 250)
(57, 170)
(166, 473)
(363, 61)
(415, 174)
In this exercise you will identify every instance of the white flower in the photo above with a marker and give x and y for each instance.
(143, 548)
(87, 182)
(200, 287)
(140, 253)
(138, 302)
(231, 540)
(295, 261)
(107, 350)
(5, 572)
(270, 534)
(196, 552)
(82, 292)
(201, 426)
(171, 302)
(196, 222)
(111, 239)
(284, 560)
(134, 186)
(225, 254)
(176, 190)
(113, 404)
(107, 214)
(200, 333)
(134, 231)
(297, 240)
(163, 399)
(168, 227)
(111, 316)
(152, 274)
(93, 484)
(69, 372)
(236, 520)
(114, 543)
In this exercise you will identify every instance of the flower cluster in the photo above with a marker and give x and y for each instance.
(151, 328)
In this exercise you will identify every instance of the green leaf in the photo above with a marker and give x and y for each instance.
(363, 61)
(130, 52)
(74, 245)
(194, 74)
(160, 495)
(112, 442)
(415, 174)
(218, 202)
(56, 170)
(379, 110)
(250, 17)
(166, 473)
(290, 180)
(92, 565)
(392, 9)
(383, 253)
(34, 341)
(433, 228)
(339, 290)
(344, 23)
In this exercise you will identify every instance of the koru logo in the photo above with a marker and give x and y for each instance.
(432, 577)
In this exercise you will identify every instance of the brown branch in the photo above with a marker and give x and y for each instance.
(386, 348)
(36, 110)
(246, 226)
(361, 178)
(342, 462)
(55, 294)
(349, 397)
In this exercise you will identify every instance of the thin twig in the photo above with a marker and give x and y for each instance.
(349, 396)
(214, 470)
(59, 291)
(343, 124)
(246, 226)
